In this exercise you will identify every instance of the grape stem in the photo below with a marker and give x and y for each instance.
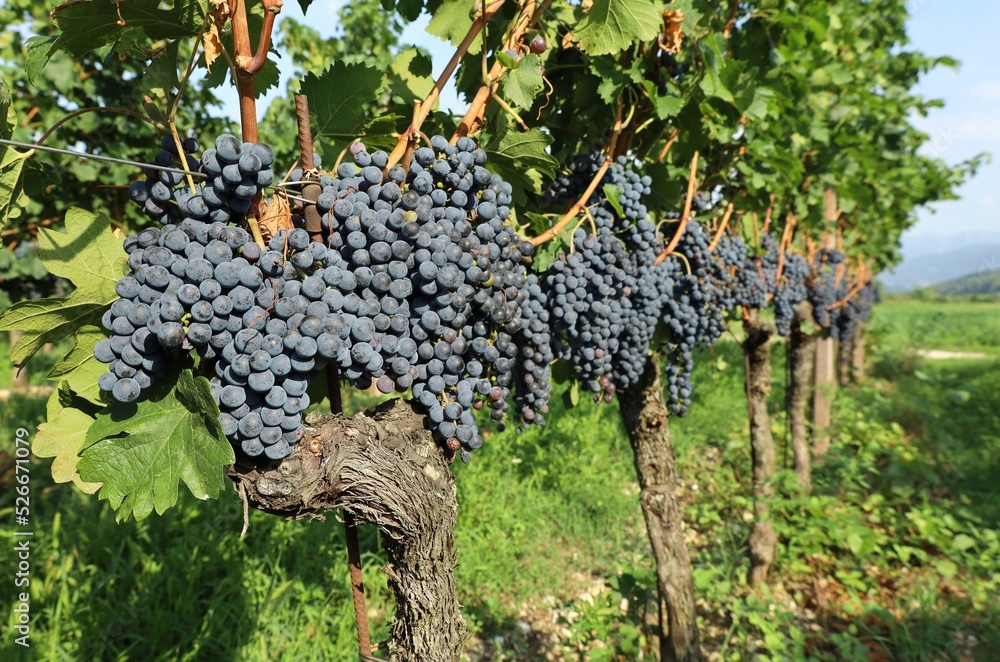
(192, 61)
(722, 226)
(507, 109)
(786, 240)
(180, 154)
(670, 143)
(767, 216)
(428, 103)
(248, 64)
(686, 216)
(861, 282)
(581, 203)
(731, 20)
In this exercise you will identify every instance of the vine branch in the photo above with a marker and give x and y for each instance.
(525, 20)
(581, 203)
(686, 216)
(722, 226)
(428, 103)
(97, 109)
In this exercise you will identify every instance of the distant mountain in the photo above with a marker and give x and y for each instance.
(984, 282)
(929, 270)
(925, 243)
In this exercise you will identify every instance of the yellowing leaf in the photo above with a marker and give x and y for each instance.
(87, 254)
(62, 437)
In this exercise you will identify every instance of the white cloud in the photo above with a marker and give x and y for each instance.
(988, 201)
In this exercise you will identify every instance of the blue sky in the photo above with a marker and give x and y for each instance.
(967, 125)
(970, 121)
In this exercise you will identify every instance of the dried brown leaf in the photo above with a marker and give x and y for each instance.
(213, 45)
(277, 216)
(672, 37)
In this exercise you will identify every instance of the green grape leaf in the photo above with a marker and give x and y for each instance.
(36, 55)
(612, 26)
(614, 197)
(520, 157)
(12, 197)
(100, 24)
(719, 70)
(160, 77)
(79, 369)
(452, 20)
(140, 450)
(338, 96)
(86, 254)
(410, 75)
(62, 437)
(614, 78)
(522, 85)
(667, 105)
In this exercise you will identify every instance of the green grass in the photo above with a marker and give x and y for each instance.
(895, 556)
(938, 323)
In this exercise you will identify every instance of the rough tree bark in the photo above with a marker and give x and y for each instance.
(645, 417)
(801, 356)
(823, 390)
(385, 468)
(763, 539)
(858, 355)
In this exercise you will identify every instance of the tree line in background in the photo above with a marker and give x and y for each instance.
(630, 180)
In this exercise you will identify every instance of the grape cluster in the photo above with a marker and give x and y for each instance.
(163, 194)
(200, 284)
(419, 284)
(532, 364)
(437, 279)
(823, 289)
(693, 314)
(852, 314)
(589, 292)
(790, 292)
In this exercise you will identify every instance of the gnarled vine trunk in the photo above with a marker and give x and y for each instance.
(858, 354)
(801, 356)
(763, 539)
(385, 469)
(645, 417)
(824, 386)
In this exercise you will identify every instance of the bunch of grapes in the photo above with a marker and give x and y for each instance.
(532, 371)
(823, 289)
(419, 285)
(790, 292)
(852, 314)
(162, 192)
(590, 291)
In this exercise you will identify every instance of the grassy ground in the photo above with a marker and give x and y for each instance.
(895, 556)
(937, 323)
